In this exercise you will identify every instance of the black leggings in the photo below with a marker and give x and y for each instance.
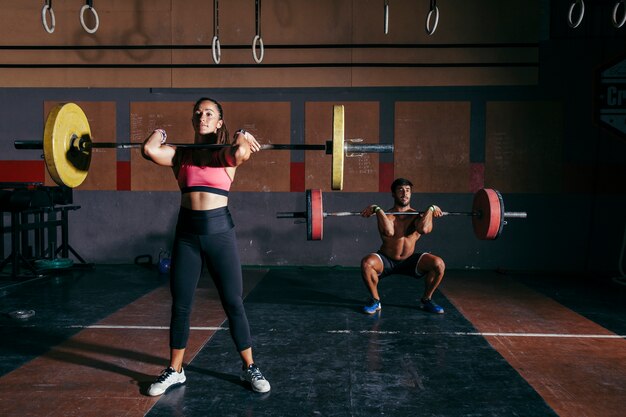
(206, 236)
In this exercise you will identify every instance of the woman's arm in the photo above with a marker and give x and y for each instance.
(155, 150)
(244, 145)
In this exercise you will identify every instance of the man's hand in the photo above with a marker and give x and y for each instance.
(369, 211)
(435, 210)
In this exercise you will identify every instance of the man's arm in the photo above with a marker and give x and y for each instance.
(424, 222)
(385, 225)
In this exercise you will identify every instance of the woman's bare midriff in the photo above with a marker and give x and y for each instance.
(200, 200)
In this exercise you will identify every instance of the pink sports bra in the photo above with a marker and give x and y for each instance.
(203, 178)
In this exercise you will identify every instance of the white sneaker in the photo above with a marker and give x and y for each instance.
(167, 378)
(254, 376)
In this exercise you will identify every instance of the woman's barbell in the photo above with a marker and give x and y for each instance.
(67, 146)
(488, 215)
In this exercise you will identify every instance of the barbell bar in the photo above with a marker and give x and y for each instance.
(67, 146)
(488, 214)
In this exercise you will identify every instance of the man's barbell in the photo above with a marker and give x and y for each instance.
(488, 215)
(67, 146)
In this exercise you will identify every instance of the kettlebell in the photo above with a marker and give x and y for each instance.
(164, 262)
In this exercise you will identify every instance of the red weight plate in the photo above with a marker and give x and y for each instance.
(309, 214)
(317, 215)
(489, 218)
(502, 222)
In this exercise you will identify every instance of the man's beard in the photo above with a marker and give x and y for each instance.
(401, 203)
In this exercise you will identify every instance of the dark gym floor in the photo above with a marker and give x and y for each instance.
(508, 345)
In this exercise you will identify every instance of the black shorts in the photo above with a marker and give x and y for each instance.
(405, 267)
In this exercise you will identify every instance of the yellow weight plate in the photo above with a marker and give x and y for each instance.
(67, 164)
(338, 151)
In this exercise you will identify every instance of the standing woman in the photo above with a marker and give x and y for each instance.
(205, 234)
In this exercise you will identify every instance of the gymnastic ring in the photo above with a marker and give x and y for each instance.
(430, 14)
(82, 18)
(575, 24)
(216, 49)
(44, 21)
(615, 9)
(258, 39)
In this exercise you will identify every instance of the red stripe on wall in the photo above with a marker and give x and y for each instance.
(477, 176)
(22, 171)
(123, 175)
(297, 176)
(385, 176)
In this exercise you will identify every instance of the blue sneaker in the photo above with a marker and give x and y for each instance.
(431, 307)
(372, 307)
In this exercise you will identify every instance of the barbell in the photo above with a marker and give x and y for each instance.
(488, 215)
(67, 146)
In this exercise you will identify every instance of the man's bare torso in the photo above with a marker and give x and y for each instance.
(402, 244)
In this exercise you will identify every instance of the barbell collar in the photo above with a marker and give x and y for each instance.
(367, 148)
(516, 214)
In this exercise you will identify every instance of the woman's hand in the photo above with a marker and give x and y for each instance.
(244, 145)
(253, 144)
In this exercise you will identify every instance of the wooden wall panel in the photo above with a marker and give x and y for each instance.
(449, 55)
(80, 77)
(102, 174)
(467, 21)
(282, 22)
(524, 147)
(244, 56)
(175, 118)
(481, 43)
(362, 122)
(440, 77)
(267, 77)
(269, 122)
(265, 171)
(89, 57)
(432, 145)
(121, 22)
